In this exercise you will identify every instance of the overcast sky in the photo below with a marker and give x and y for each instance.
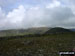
(37, 13)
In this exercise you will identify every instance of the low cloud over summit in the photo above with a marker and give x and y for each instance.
(36, 13)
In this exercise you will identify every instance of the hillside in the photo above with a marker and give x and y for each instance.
(46, 45)
(47, 42)
(57, 30)
(39, 30)
(72, 30)
(14, 32)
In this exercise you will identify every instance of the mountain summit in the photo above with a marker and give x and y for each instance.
(57, 30)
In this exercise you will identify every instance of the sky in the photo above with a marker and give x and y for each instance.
(18, 14)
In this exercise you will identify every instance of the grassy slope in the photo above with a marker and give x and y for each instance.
(48, 45)
(14, 32)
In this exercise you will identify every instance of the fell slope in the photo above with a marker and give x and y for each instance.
(47, 45)
(16, 32)
(57, 30)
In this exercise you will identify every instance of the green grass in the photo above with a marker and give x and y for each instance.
(47, 45)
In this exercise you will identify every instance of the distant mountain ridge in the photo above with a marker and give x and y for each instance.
(72, 29)
(57, 30)
(37, 30)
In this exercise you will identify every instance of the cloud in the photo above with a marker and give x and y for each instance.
(52, 14)
(2, 18)
(4, 3)
(1, 14)
(57, 17)
(15, 17)
(53, 4)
